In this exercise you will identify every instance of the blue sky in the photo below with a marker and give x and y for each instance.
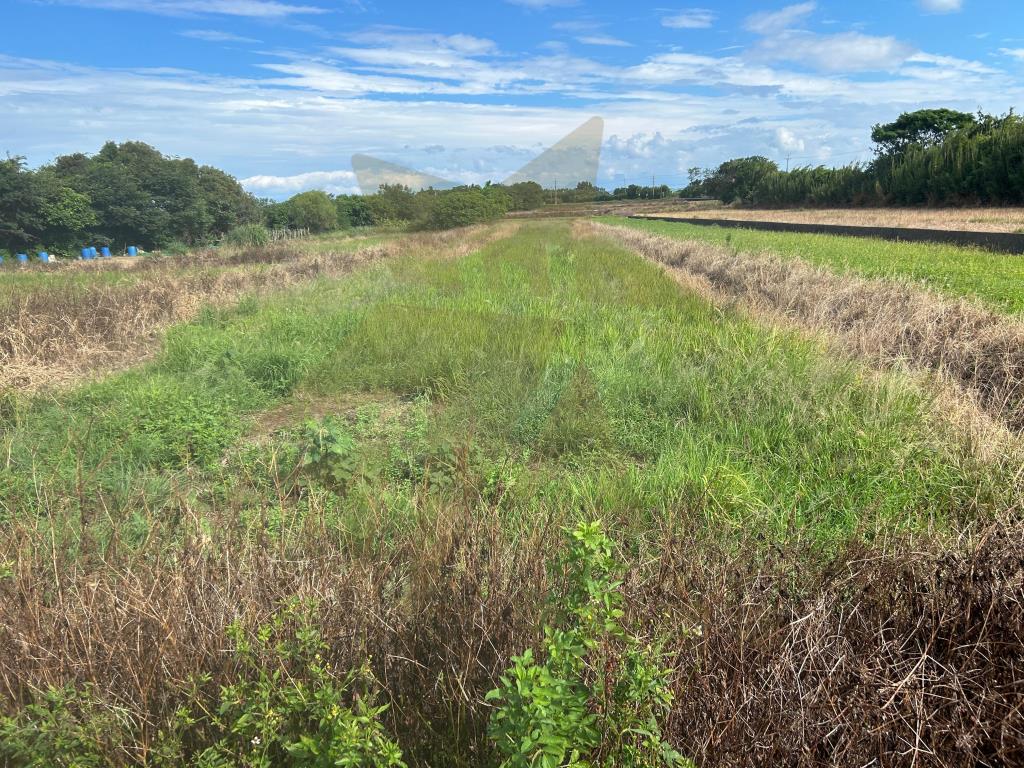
(281, 93)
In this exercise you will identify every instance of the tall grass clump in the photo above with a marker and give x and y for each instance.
(247, 235)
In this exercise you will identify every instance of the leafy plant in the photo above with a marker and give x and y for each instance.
(63, 727)
(328, 454)
(287, 708)
(597, 695)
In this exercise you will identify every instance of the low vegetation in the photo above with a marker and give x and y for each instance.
(506, 497)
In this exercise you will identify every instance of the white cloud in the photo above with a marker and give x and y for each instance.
(942, 6)
(603, 40)
(844, 52)
(335, 182)
(787, 141)
(693, 18)
(768, 22)
(261, 9)
(216, 36)
(1016, 53)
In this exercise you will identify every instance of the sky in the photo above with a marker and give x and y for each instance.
(281, 93)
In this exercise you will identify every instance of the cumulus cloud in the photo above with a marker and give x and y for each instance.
(693, 18)
(787, 141)
(942, 6)
(768, 22)
(1015, 53)
(844, 52)
(335, 182)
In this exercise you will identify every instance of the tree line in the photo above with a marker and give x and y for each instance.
(131, 194)
(927, 157)
(125, 194)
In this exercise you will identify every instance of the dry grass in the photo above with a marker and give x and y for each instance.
(979, 351)
(968, 219)
(905, 653)
(56, 335)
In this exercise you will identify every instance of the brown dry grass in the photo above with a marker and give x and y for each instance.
(967, 219)
(906, 653)
(887, 322)
(56, 335)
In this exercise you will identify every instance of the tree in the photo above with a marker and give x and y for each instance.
(736, 180)
(525, 195)
(313, 210)
(64, 213)
(467, 205)
(20, 216)
(354, 211)
(925, 127)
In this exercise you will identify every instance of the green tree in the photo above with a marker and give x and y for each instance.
(313, 210)
(354, 211)
(925, 127)
(525, 196)
(736, 180)
(467, 205)
(20, 214)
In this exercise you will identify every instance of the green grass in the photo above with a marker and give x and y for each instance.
(568, 378)
(995, 279)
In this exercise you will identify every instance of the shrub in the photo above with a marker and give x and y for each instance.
(599, 695)
(174, 248)
(63, 727)
(287, 708)
(462, 207)
(248, 235)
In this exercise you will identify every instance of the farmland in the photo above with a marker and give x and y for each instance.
(1008, 219)
(399, 439)
(994, 279)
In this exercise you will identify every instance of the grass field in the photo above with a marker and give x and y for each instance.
(997, 280)
(989, 219)
(404, 444)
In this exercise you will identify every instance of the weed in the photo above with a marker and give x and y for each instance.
(598, 696)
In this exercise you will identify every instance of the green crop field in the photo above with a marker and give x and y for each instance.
(995, 279)
(378, 472)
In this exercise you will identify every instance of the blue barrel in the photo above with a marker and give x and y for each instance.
(85, 253)
(105, 252)
(1, 259)
(44, 257)
(92, 251)
(133, 251)
(23, 258)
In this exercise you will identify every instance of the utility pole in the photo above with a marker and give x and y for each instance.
(787, 163)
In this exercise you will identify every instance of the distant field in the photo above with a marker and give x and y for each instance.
(996, 280)
(968, 219)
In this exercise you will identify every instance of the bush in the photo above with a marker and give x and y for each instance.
(472, 205)
(600, 695)
(174, 248)
(248, 235)
(287, 707)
